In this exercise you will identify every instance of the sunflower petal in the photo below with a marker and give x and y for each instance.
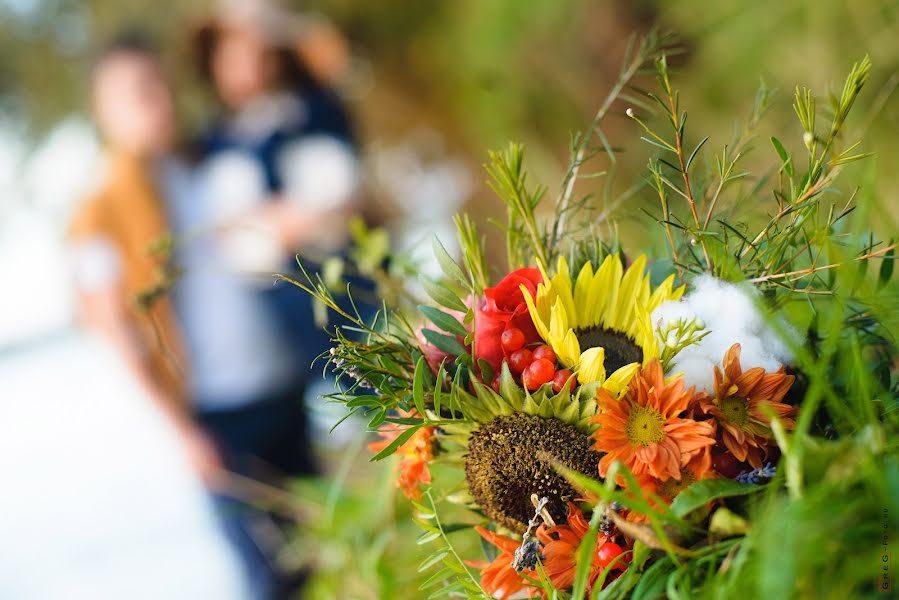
(538, 318)
(621, 311)
(592, 366)
(609, 283)
(562, 286)
(568, 349)
(618, 381)
(582, 288)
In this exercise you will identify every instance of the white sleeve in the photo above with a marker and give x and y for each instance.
(96, 264)
(319, 172)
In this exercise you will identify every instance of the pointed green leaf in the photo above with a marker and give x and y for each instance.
(702, 492)
(418, 385)
(443, 296)
(443, 320)
(786, 160)
(886, 267)
(449, 267)
(441, 341)
(432, 560)
(399, 441)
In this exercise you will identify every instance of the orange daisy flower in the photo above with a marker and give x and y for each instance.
(742, 405)
(560, 544)
(416, 453)
(645, 430)
(699, 467)
(498, 578)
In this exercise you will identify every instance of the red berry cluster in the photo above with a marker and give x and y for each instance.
(535, 366)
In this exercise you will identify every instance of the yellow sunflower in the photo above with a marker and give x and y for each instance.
(599, 324)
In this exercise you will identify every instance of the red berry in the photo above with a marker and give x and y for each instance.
(495, 383)
(545, 352)
(520, 359)
(512, 339)
(726, 464)
(561, 378)
(538, 372)
(607, 554)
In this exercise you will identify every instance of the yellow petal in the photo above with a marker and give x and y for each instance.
(558, 322)
(643, 333)
(537, 317)
(592, 366)
(664, 293)
(582, 294)
(568, 350)
(562, 287)
(622, 310)
(608, 280)
(617, 382)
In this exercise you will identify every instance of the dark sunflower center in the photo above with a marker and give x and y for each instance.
(620, 349)
(735, 411)
(511, 458)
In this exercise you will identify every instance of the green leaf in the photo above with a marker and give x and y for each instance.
(443, 320)
(432, 560)
(399, 441)
(427, 536)
(695, 151)
(652, 582)
(707, 490)
(443, 296)
(786, 160)
(584, 552)
(444, 342)
(418, 386)
(446, 591)
(438, 388)
(379, 418)
(436, 578)
(449, 267)
(886, 267)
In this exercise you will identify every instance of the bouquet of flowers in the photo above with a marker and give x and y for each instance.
(612, 421)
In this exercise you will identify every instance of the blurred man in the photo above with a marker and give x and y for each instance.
(112, 233)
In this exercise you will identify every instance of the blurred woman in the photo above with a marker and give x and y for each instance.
(281, 170)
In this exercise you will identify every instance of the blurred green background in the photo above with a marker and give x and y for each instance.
(480, 73)
(475, 74)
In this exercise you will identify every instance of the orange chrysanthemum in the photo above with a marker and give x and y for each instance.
(743, 404)
(560, 544)
(699, 467)
(416, 453)
(498, 578)
(645, 430)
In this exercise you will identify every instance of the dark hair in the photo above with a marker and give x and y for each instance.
(292, 71)
(129, 41)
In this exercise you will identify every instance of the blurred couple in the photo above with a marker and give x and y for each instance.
(222, 352)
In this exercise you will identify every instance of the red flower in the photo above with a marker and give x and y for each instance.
(503, 307)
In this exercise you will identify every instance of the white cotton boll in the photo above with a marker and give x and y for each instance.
(671, 312)
(730, 316)
(697, 370)
(724, 304)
